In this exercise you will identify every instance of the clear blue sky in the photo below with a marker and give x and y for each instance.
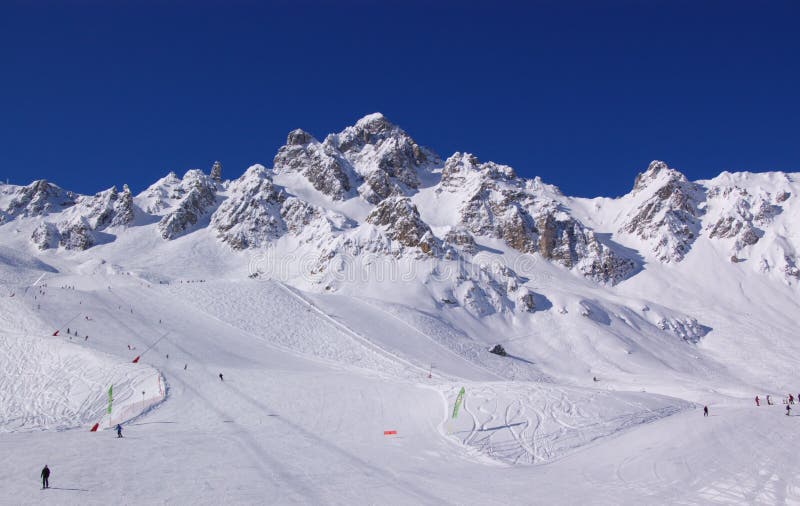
(580, 94)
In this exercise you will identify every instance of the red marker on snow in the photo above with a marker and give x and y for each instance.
(390, 433)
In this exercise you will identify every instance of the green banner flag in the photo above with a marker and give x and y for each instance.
(110, 398)
(458, 402)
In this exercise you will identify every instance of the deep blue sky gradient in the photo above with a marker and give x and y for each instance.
(582, 94)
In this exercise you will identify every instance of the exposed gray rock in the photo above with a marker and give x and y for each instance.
(197, 194)
(45, 236)
(250, 217)
(321, 164)
(216, 172)
(669, 216)
(39, 199)
(401, 220)
(76, 235)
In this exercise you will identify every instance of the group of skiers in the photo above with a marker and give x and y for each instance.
(788, 401)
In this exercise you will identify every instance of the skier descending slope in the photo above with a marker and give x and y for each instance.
(119, 430)
(757, 401)
(705, 410)
(788, 410)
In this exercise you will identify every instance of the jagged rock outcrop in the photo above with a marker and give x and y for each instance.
(498, 204)
(258, 212)
(195, 195)
(668, 216)
(45, 236)
(39, 199)
(567, 242)
(76, 234)
(374, 156)
(742, 215)
(401, 221)
(216, 172)
(251, 215)
(686, 328)
(459, 238)
(107, 208)
(321, 164)
(85, 216)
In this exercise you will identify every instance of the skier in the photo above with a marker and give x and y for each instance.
(769, 401)
(757, 401)
(791, 399)
(220, 377)
(45, 477)
(185, 366)
(119, 430)
(705, 410)
(788, 410)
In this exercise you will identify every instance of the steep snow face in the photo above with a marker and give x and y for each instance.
(39, 198)
(373, 159)
(495, 203)
(193, 197)
(667, 212)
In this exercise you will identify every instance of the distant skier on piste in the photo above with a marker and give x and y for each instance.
(788, 410)
(705, 410)
(220, 377)
(45, 477)
(119, 430)
(758, 403)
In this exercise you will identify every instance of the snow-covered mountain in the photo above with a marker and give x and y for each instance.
(364, 267)
(373, 187)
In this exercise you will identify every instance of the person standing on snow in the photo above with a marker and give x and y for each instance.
(757, 401)
(788, 410)
(45, 477)
(220, 377)
(119, 430)
(769, 401)
(705, 410)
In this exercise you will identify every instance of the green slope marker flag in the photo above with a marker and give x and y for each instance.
(458, 402)
(110, 397)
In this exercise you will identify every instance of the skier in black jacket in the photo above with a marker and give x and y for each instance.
(45, 476)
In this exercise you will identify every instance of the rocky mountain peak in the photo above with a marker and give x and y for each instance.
(39, 198)
(461, 166)
(298, 137)
(658, 173)
(668, 215)
(193, 198)
(216, 172)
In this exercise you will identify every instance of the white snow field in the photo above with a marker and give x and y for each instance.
(311, 382)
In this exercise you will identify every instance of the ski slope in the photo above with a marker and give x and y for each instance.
(312, 381)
